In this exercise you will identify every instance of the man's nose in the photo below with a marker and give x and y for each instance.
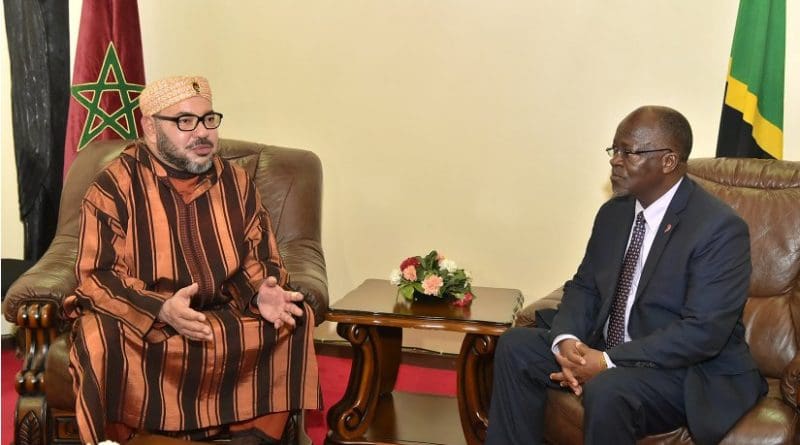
(200, 130)
(616, 159)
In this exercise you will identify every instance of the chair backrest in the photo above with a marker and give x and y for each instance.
(766, 193)
(274, 169)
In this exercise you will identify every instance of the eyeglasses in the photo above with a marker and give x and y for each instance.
(625, 152)
(188, 122)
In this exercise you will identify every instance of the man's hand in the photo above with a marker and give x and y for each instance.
(570, 359)
(188, 322)
(595, 363)
(277, 305)
(579, 363)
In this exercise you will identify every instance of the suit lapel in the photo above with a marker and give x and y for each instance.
(617, 246)
(664, 233)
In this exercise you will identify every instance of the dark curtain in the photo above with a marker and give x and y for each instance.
(38, 46)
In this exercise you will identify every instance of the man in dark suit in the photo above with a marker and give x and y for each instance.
(649, 331)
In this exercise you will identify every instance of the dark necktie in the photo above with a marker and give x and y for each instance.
(616, 321)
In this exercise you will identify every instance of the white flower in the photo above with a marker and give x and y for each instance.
(107, 442)
(396, 277)
(468, 275)
(448, 265)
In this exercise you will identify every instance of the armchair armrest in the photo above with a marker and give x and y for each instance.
(33, 303)
(789, 383)
(306, 264)
(527, 316)
(38, 328)
(49, 280)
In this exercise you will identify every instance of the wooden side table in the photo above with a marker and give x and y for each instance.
(372, 318)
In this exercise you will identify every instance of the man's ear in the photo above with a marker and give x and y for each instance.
(669, 162)
(149, 129)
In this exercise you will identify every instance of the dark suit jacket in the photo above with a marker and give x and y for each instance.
(687, 311)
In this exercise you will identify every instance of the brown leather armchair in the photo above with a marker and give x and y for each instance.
(290, 184)
(766, 193)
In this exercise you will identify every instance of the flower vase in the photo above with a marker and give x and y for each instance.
(420, 297)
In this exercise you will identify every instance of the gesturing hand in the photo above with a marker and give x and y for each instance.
(277, 305)
(188, 322)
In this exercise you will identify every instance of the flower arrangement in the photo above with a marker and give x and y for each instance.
(433, 275)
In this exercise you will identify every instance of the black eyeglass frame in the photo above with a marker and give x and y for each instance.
(177, 119)
(611, 151)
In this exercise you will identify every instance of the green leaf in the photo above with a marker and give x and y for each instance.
(407, 291)
(430, 261)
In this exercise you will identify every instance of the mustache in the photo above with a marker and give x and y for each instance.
(200, 141)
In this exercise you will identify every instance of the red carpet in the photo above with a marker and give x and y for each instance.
(334, 373)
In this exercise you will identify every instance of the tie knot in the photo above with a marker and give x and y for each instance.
(640, 218)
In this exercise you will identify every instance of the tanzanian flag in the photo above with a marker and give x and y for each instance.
(752, 113)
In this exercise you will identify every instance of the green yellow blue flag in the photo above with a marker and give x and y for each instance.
(752, 113)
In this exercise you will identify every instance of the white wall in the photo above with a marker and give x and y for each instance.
(472, 127)
(12, 243)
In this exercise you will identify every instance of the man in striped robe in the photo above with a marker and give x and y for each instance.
(185, 323)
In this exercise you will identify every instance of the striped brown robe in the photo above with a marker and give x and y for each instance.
(143, 238)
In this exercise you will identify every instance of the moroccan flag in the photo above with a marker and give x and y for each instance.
(752, 113)
(108, 76)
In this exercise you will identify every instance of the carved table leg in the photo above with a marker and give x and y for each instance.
(475, 385)
(376, 359)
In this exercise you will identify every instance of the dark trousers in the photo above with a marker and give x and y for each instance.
(620, 404)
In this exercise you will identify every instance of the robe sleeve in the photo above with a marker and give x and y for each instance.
(105, 283)
(260, 257)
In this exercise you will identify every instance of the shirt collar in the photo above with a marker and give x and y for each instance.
(654, 213)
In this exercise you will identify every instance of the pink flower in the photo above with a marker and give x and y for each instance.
(410, 273)
(439, 256)
(431, 284)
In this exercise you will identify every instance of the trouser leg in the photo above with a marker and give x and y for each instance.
(523, 363)
(623, 404)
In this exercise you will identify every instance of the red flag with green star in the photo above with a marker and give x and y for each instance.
(108, 76)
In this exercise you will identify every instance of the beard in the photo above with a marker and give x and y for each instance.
(619, 191)
(619, 185)
(172, 155)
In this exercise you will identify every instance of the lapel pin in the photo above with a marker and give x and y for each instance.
(668, 228)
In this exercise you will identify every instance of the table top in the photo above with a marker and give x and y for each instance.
(377, 302)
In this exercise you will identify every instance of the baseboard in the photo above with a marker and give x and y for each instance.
(9, 341)
(410, 356)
